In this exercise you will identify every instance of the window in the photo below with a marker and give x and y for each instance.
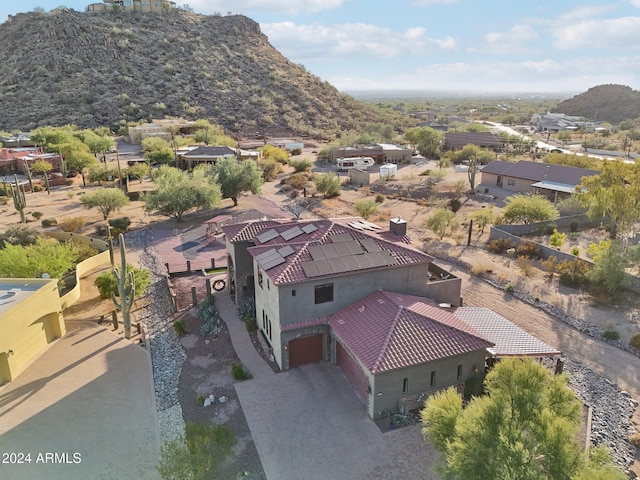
(511, 182)
(293, 292)
(324, 293)
(268, 287)
(459, 373)
(433, 379)
(260, 278)
(405, 385)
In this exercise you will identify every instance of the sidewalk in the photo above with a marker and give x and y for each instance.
(240, 338)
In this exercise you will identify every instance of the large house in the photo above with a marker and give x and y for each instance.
(381, 152)
(459, 140)
(547, 179)
(205, 154)
(349, 292)
(16, 159)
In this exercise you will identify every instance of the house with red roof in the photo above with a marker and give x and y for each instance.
(349, 292)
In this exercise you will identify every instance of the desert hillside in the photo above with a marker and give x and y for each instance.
(610, 103)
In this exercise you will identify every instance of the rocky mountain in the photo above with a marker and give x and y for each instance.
(102, 69)
(610, 103)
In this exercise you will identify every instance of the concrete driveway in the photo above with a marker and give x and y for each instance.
(308, 423)
(84, 409)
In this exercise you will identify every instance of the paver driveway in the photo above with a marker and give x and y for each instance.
(307, 423)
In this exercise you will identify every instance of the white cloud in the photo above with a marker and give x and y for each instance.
(518, 39)
(635, 3)
(249, 7)
(302, 43)
(587, 11)
(599, 34)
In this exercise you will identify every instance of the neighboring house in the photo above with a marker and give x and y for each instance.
(135, 5)
(13, 160)
(30, 319)
(160, 128)
(380, 152)
(435, 125)
(287, 144)
(459, 140)
(201, 155)
(553, 181)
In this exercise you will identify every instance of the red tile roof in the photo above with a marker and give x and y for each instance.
(247, 231)
(388, 331)
(291, 271)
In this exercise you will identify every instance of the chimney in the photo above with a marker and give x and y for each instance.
(398, 226)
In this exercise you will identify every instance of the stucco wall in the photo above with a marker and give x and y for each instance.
(28, 326)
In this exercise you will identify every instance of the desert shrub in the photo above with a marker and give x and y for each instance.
(37, 215)
(509, 288)
(297, 180)
(573, 226)
(557, 238)
(270, 169)
(573, 273)
(528, 249)
(238, 372)
(500, 245)
(379, 198)
(101, 230)
(550, 264)
(106, 282)
(575, 251)
(635, 341)
(121, 224)
(23, 235)
(296, 151)
(73, 224)
(425, 173)
(635, 440)
(4, 200)
(247, 313)
(546, 229)
(301, 165)
(365, 208)
(455, 204)
(49, 222)
(328, 184)
(611, 335)
(525, 266)
(181, 329)
(208, 314)
(479, 268)
(473, 387)
(68, 182)
(84, 250)
(38, 188)
(71, 194)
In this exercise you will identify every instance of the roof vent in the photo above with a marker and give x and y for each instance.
(398, 226)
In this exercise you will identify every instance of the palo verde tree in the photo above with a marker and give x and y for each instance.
(525, 428)
(180, 192)
(521, 208)
(440, 220)
(106, 200)
(614, 194)
(236, 177)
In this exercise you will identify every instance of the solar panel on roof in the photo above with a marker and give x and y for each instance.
(376, 259)
(273, 262)
(356, 225)
(388, 257)
(293, 232)
(337, 265)
(354, 247)
(342, 249)
(309, 268)
(369, 224)
(265, 255)
(266, 236)
(286, 251)
(341, 237)
(350, 263)
(324, 268)
(363, 261)
(329, 251)
(309, 228)
(370, 245)
(316, 252)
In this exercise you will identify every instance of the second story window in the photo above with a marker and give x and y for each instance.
(260, 278)
(324, 293)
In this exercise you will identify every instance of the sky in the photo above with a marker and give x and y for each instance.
(488, 46)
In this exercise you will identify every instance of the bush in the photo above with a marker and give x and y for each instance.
(575, 251)
(550, 264)
(573, 273)
(23, 235)
(83, 249)
(455, 204)
(270, 169)
(635, 341)
(500, 245)
(73, 224)
(611, 335)
(526, 268)
(106, 282)
(247, 313)
(365, 208)
(37, 215)
(573, 226)
(379, 198)
(297, 180)
(528, 249)
(208, 314)
(509, 288)
(301, 165)
(68, 182)
(38, 188)
(635, 440)
(557, 238)
(296, 151)
(49, 222)
(121, 224)
(181, 329)
(479, 268)
(238, 372)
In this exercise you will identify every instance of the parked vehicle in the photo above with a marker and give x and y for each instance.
(344, 164)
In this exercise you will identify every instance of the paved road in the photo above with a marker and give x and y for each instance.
(89, 394)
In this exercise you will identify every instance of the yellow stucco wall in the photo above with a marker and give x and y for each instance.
(28, 323)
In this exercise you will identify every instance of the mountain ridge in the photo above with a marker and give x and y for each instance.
(611, 102)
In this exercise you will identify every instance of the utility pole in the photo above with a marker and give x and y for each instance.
(120, 183)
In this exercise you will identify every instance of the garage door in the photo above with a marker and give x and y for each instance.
(305, 350)
(353, 372)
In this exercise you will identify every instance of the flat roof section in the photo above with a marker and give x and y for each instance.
(14, 291)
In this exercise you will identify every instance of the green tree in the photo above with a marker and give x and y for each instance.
(557, 238)
(527, 209)
(179, 192)
(157, 150)
(235, 177)
(40, 167)
(271, 152)
(96, 143)
(366, 208)
(106, 200)
(138, 170)
(608, 269)
(440, 416)
(328, 184)
(564, 136)
(101, 173)
(426, 140)
(525, 428)
(270, 169)
(107, 283)
(440, 220)
(45, 256)
(19, 235)
(614, 194)
(482, 218)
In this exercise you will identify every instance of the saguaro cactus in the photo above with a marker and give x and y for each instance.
(126, 292)
(19, 199)
(27, 170)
